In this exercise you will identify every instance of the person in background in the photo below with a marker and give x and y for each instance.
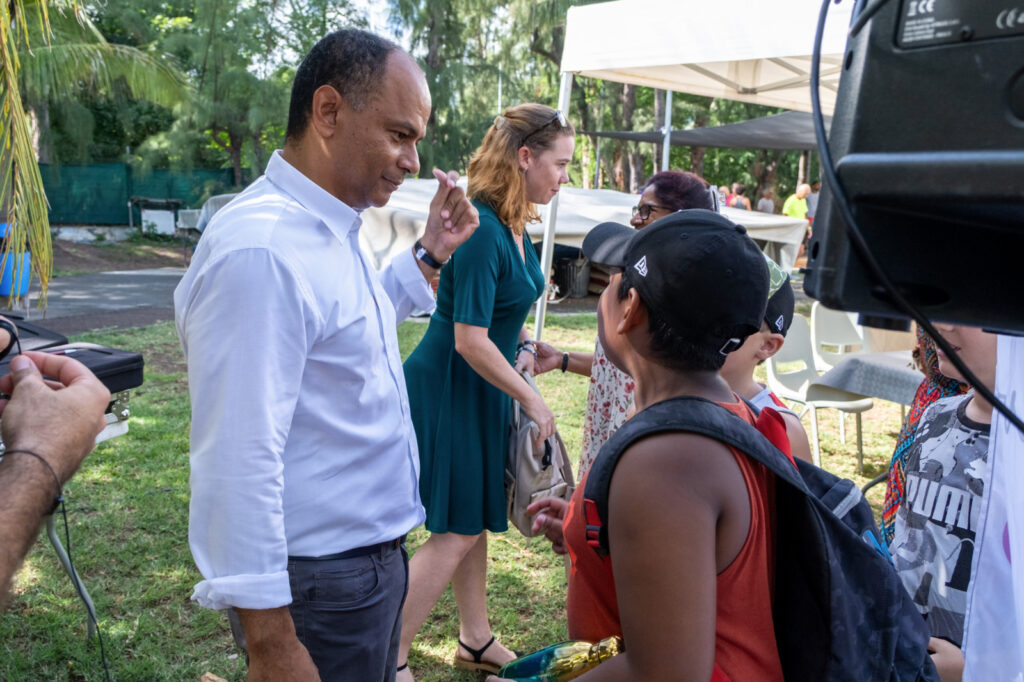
(766, 204)
(935, 386)
(723, 195)
(610, 396)
(461, 377)
(738, 199)
(812, 201)
(739, 366)
(796, 204)
(796, 207)
(947, 478)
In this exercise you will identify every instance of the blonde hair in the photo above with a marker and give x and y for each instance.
(494, 174)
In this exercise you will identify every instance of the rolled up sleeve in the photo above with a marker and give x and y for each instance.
(246, 324)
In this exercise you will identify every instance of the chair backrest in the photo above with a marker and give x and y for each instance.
(790, 383)
(838, 329)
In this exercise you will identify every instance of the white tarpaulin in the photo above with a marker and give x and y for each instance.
(396, 226)
(735, 49)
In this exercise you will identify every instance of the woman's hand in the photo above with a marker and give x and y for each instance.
(526, 362)
(548, 358)
(548, 515)
(542, 416)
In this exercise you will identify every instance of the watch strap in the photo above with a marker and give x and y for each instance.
(423, 255)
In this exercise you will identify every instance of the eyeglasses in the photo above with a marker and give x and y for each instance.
(563, 122)
(644, 210)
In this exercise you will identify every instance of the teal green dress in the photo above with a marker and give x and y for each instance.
(461, 420)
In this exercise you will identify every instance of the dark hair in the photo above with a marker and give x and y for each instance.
(674, 348)
(351, 61)
(680, 190)
(740, 188)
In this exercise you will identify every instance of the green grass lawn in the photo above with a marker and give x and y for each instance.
(128, 512)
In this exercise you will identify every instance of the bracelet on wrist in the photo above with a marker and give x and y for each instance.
(56, 479)
(528, 348)
(565, 362)
(423, 255)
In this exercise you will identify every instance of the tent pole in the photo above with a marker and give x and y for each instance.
(550, 219)
(666, 146)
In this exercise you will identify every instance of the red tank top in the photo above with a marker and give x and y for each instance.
(745, 646)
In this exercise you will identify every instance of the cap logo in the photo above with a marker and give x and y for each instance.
(641, 266)
(779, 322)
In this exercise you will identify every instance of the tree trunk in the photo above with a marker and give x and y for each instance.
(39, 123)
(700, 120)
(801, 172)
(235, 152)
(659, 123)
(627, 174)
(697, 160)
(618, 170)
(257, 154)
(637, 170)
(586, 144)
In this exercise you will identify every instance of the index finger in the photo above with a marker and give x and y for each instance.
(63, 368)
(449, 179)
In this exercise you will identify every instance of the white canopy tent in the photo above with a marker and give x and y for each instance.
(395, 226)
(758, 52)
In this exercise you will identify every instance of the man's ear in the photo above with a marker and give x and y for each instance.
(327, 108)
(525, 157)
(634, 313)
(770, 345)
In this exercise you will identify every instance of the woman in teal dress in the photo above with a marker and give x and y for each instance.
(462, 376)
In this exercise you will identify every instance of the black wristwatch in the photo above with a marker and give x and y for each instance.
(425, 256)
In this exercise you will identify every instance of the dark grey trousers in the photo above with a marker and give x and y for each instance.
(348, 613)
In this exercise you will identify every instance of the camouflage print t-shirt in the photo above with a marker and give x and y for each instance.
(947, 474)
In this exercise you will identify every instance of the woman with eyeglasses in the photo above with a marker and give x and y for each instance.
(610, 396)
(462, 376)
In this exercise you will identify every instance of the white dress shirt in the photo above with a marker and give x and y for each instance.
(302, 443)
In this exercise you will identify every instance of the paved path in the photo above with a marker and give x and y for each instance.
(106, 300)
(137, 298)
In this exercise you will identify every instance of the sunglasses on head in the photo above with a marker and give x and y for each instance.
(563, 122)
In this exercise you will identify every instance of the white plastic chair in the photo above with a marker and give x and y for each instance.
(797, 385)
(835, 328)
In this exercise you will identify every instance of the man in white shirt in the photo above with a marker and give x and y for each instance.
(304, 461)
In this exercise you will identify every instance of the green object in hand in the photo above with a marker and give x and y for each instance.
(562, 661)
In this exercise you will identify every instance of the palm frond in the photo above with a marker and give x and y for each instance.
(23, 205)
(62, 69)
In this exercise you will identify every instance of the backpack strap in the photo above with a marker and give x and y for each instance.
(692, 415)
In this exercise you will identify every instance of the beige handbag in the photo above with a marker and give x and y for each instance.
(533, 475)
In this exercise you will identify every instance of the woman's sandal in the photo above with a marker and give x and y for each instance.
(478, 662)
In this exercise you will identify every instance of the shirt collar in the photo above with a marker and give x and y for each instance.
(338, 216)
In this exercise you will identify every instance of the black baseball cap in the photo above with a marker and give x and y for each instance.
(779, 314)
(696, 269)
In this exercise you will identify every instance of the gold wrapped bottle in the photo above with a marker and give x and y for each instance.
(562, 661)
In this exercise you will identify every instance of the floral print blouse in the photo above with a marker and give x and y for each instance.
(609, 401)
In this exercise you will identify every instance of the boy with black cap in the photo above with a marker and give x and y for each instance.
(739, 366)
(690, 520)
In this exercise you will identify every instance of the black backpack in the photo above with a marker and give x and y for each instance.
(841, 612)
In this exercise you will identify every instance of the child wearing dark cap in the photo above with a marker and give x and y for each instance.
(690, 520)
(739, 366)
